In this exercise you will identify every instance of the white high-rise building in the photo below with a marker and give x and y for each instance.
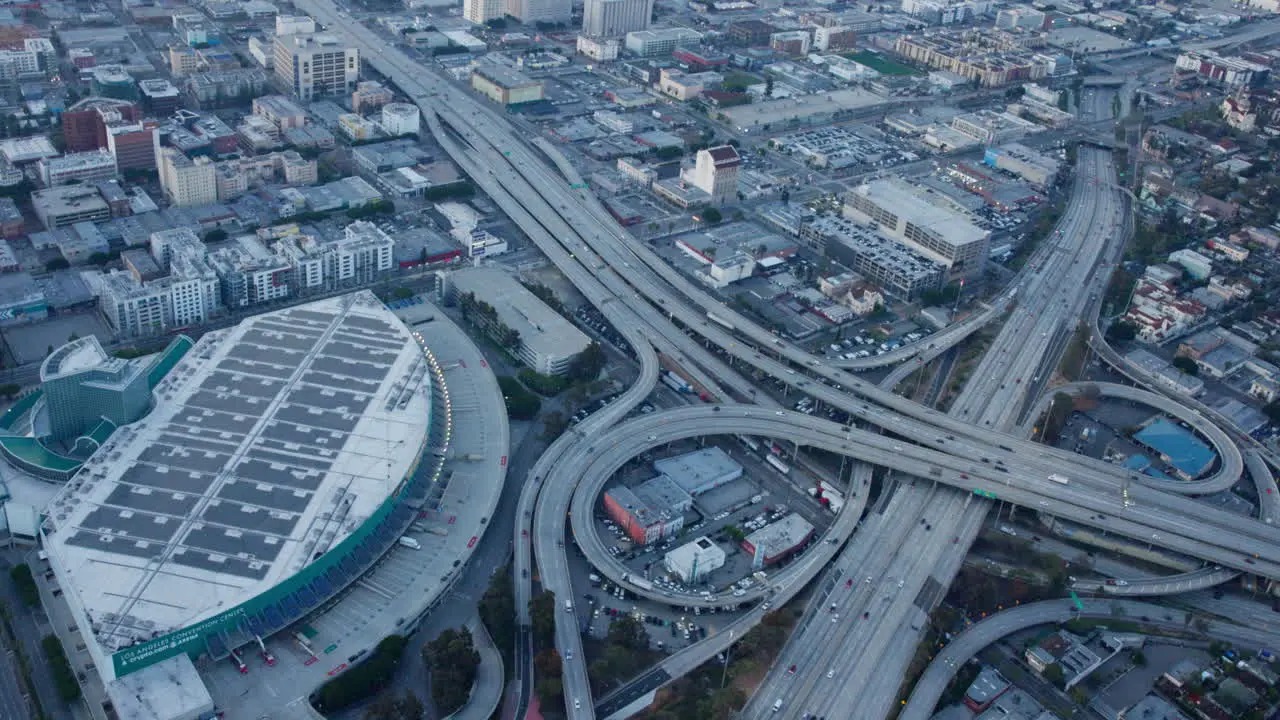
(716, 172)
(536, 11)
(609, 18)
(482, 11)
(185, 181)
(315, 66)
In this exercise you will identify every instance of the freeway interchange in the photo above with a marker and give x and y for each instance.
(657, 309)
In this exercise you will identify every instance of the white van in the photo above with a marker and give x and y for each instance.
(777, 705)
(410, 542)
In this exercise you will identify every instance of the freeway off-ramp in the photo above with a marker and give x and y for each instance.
(1168, 585)
(1232, 460)
(621, 274)
(929, 689)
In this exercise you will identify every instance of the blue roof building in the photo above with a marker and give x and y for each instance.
(1179, 447)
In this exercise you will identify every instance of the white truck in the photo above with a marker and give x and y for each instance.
(410, 542)
(1060, 479)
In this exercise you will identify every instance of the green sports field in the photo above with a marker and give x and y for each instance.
(880, 63)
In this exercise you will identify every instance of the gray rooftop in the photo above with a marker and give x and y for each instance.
(269, 443)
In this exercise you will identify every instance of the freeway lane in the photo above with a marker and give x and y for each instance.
(1182, 528)
(970, 642)
(1167, 585)
(533, 188)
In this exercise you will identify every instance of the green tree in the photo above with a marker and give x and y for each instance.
(1122, 331)
(712, 216)
(57, 263)
(10, 390)
(389, 707)
(498, 610)
(453, 662)
(215, 235)
(63, 677)
(588, 364)
(1054, 674)
(363, 680)
(401, 293)
(1272, 410)
(542, 619)
(1186, 365)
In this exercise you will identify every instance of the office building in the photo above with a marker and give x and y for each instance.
(159, 96)
(78, 167)
(84, 123)
(548, 342)
(480, 12)
(315, 66)
(84, 387)
(505, 86)
(610, 18)
(693, 561)
(66, 205)
(134, 145)
(715, 172)
(530, 12)
(186, 181)
(113, 81)
(659, 43)
(916, 218)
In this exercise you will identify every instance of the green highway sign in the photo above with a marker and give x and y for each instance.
(331, 648)
(985, 494)
(1075, 599)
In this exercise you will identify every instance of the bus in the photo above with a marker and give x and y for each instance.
(778, 465)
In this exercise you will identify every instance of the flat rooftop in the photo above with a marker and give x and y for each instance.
(1185, 451)
(907, 201)
(542, 330)
(269, 443)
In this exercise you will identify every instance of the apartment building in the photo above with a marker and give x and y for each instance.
(535, 11)
(280, 111)
(658, 43)
(978, 57)
(480, 12)
(715, 172)
(186, 181)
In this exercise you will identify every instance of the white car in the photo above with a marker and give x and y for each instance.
(831, 673)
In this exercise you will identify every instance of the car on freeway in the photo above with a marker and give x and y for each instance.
(791, 670)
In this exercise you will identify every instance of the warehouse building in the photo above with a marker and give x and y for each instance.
(693, 561)
(505, 86)
(701, 470)
(778, 541)
(1185, 453)
(641, 522)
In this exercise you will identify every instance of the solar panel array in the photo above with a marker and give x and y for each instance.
(232, 472)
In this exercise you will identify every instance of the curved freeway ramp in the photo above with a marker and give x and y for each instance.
(1232, 459)
(1268, 495)
(968, 643)
(1176, 522)
(1202, 579)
